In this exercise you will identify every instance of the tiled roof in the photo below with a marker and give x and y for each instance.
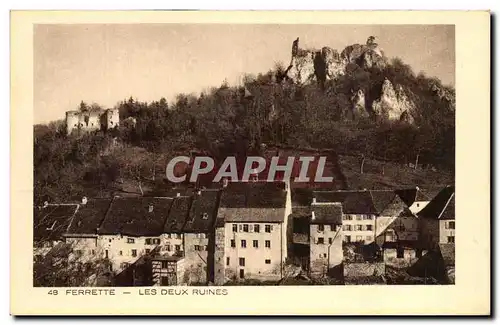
(442, 206)
(89, 216)
(203, 212)
(353, 202)
(136, 216)
(52, 221)
(260, 215)
(327, 213)
(382, 199)
(178, 214)
(254, 195)
(301, 196)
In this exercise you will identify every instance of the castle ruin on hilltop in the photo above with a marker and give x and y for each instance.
(91, 120)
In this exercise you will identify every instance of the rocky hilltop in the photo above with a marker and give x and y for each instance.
(383, 96)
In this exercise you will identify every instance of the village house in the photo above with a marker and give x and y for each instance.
(131, 228)
(81, 233)
(326, 251)
(437, 219)
(251, 231)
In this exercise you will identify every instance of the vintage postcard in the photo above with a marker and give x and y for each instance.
(249, 163)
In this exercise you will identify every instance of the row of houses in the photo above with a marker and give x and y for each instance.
(241, 230)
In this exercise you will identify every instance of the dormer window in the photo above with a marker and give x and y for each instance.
(204, 216)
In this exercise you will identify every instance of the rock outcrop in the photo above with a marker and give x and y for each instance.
(394, 104)
(327, 64)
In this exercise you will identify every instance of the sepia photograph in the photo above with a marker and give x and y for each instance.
(210, 156)
(123, 113)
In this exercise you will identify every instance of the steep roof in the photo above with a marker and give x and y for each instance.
(353, 202)
(203, 212)
(254, 195)
(89, 216)
(51, 222)
(382, 199)
(301, 196)
(442, 206)
(178, 214)
(136, 216)
(330, 213)
(412, 195)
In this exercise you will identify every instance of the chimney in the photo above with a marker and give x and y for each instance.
(417, 188)
(225, 181)
(84, 200)
(314, 200)
(198, 192)
(45, 204)
(150, 209)
(178, 194)
(313, 216)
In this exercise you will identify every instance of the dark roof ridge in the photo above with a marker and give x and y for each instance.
(446, 205)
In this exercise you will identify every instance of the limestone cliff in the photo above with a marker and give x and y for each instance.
(327, 64)
(394, 104)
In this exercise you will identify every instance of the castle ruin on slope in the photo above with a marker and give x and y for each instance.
(91, 120)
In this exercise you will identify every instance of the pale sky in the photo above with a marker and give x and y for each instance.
(108, 63)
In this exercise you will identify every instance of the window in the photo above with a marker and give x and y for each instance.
(148, 250)
(400, 252)
(177, 248)
(268, 244)
(450, 225)
(167, 248)
(369, 227)
(121, 253)
(93, 252)
(368, 238)
(206, 247)
(268, 261)
(168, 236)
(324, 255)
(78, 252)
(110, 240)
(321, 228)
(134, 252)
(130, 240)
(451, 239)
(330, 240)
(107, 253)
(156, 241)
(256, 228)
(125, 265)
(268, 228)
(245, 228)
(256, 243)
(233, 243)
(347, 239)
(401, 227)
(347, 217)
(164, 264)
(242, 261)
(148, 241)
(235, 227)
(359, 238)
(347, 227)
(240, 227)
(227, 260)
(358, 217)
(359, 227)
(178, 236)
(196, 247)
(243, 243)
(321, 240)
(367, 217)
